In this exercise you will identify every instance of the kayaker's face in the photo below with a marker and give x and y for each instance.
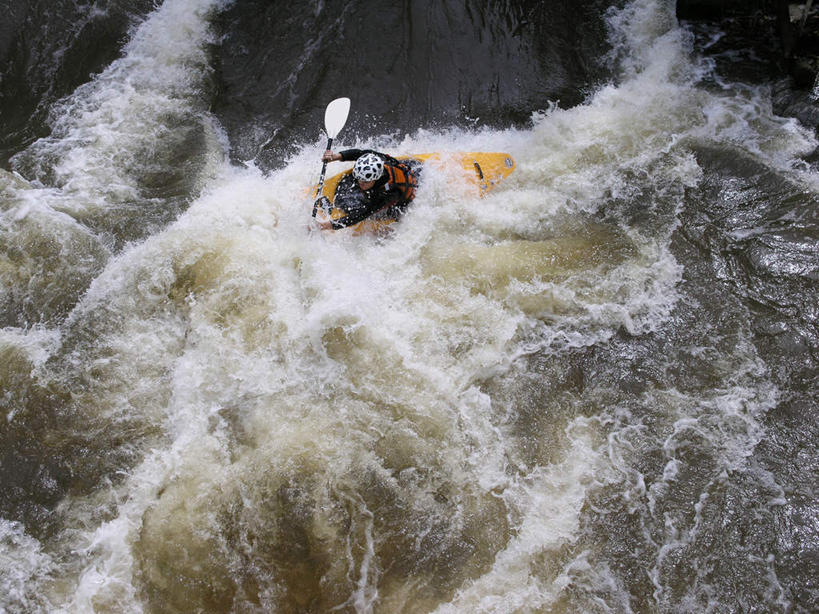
(365, 185)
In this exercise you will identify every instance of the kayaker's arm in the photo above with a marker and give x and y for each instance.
(357, 205)
(347, 155)
(338, 224)
(351, 219)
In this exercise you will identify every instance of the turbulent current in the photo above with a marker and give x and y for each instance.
(593, 390)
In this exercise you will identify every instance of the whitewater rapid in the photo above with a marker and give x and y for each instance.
(260, 417)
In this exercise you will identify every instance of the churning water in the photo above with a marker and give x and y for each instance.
(590, 391)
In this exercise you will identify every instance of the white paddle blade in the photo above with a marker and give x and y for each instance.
(336, 116)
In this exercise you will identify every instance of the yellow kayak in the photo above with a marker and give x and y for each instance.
(485, 169)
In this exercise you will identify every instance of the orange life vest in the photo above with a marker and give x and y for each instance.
(400, 176)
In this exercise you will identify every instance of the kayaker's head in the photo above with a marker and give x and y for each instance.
(367, 170)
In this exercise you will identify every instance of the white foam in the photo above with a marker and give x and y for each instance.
(112, 124)
(326, 342)
(24, 566)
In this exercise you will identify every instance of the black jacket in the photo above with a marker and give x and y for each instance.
(361, 204)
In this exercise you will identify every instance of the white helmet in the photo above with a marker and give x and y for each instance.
(368, 167)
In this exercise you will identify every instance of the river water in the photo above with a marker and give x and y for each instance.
(593, 390)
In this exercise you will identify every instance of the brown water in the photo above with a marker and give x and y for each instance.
(591, 391)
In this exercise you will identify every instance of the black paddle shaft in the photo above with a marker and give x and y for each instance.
(324, 167)
(321, 178)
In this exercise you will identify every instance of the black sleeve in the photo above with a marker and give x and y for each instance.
(352, 218)
(349, 155)
(359, 211)
(357, 205)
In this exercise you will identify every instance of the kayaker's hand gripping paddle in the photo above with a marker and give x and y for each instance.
(335, 116)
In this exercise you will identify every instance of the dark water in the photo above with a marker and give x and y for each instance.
(592, 391)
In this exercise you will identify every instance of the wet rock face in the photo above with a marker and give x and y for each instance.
(430, 64)
(700, 9)
(47, 49)
(706, 9)
(490, 64)
(786, 33)
(766, 41)
(799, 103)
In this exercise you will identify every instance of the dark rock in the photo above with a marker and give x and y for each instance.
(421, 64)
(711, 9)
(47, 49)
(803, 72)
(760, 44)
(790, 101)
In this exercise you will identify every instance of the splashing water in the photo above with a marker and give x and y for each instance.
(534, 401)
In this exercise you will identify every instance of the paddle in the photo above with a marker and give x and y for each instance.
(335, 116)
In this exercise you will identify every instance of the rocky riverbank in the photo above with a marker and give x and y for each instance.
(763, 41)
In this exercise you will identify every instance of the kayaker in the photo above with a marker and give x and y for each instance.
(379, 186)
